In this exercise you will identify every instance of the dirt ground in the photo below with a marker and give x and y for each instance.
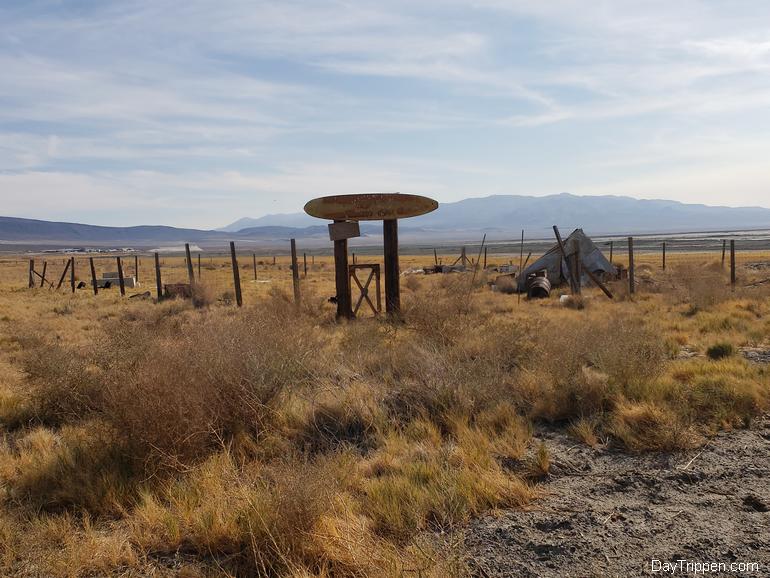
(608, 513)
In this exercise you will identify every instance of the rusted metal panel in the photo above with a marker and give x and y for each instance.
(344, 230)
(370, 207)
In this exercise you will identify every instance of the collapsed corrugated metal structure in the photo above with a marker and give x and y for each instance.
(556, 268)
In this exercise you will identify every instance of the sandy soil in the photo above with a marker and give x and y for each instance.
(609, 513)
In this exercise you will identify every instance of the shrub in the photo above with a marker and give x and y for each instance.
(720, 350)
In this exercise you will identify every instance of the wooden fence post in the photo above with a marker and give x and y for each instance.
(121, 281)
(199, 266)
(724, 248)
(190, 272)
(136, 267)
(578, 270)
(42, 276)
(611, 247)
(236, 275)
(564, 257)
(392, 281)
(631, 283)
(254, 264)
(72, 275)
(304, 264)
(732, 264)
(435, 257)
(93, 275)
(664, 255)
(31, 273)
(158, 281)
(64, 274)
(485, 257)
(295, 271)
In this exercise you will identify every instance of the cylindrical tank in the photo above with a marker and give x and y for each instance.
(538, 288)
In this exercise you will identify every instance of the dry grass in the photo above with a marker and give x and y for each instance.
(144, 438)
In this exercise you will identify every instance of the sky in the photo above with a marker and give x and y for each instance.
(196, 113)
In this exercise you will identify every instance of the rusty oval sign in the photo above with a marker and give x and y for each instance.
(370, 207)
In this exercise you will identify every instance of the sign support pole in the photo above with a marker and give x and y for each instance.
(392, 288)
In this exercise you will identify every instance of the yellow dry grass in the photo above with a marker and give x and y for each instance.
(166, 439)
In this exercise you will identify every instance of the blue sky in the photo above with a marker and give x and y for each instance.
(197, 113)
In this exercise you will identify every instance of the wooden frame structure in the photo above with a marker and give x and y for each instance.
(346, 211)
(374, 274)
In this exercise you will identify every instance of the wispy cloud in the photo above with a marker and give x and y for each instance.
(198, 113)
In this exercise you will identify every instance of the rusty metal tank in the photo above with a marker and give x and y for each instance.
(538, 288)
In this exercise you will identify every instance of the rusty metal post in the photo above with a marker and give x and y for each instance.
(158, 281)
(732, 264)
(190, 273)
(236, 275)
(342, 278)
(392, 281)
(631, 283)
(295, 272)
(93, 275)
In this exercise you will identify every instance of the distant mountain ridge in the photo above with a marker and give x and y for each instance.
(501, 217)
(606, 214)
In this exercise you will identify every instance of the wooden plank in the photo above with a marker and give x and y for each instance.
(121, 281)
(93, 275)
(598, 282)
(158, 281)
(295, 272)
(190, 272)
(392, 280)
(370, 207)
(236, 275)
(344, 230)
(631, 280)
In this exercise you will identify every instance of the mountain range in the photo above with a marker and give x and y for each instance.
(499, 216)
